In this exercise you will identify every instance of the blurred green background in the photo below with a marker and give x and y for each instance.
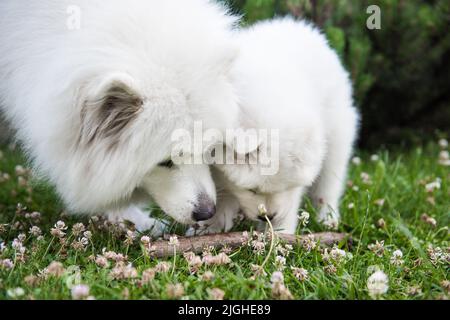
(401, 73)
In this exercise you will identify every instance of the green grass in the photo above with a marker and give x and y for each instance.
(398, 178)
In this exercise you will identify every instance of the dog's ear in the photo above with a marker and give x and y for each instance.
(109, 107)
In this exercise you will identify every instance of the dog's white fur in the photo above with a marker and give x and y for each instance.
(95, 107)
(288, 78)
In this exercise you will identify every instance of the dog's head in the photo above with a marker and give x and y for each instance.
(271, 171)
(248, 183)
(124, 146)
(97, 112)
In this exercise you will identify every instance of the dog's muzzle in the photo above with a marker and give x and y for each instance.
(205, 208)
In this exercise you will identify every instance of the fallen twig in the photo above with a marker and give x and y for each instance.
(235, 240)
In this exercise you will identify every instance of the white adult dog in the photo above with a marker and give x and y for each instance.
(288, 79)
(95, 88)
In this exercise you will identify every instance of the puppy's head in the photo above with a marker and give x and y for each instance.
(270, 172)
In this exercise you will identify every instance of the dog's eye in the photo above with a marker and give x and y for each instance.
(254, 191)
(167, 164)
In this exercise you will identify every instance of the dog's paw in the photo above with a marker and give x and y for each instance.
(155, 228)
(141, 220)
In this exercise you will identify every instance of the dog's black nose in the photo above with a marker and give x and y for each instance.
(205, 208)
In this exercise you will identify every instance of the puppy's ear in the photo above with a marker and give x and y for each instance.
(110, 106)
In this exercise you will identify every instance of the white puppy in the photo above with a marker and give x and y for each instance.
(95, 89)
(288, 79)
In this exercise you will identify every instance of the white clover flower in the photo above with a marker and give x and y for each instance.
(284, 250)
(175, 291)
(277, 277)
(35, 215)
(443, 143)
(304, 218)
(280, 262)
(396, 258)
(437, 255)
(58, 230)
(35, 231)
(80, 244)
(351, 205)
(173, 241)
(6, 264)
(330, 269)
(163, 267)
(259, 247)
(356, 161)
(101, 261)
(377, 248)
(78, 228)
(220, 259)
(87, 235)
(377, 284)
(381, 223)
(262, 209)
(20, 171)
(374, 158)
(365, 177)
(435, 185)
(80, 291)
(337, 256)
(397, 254)
(258, 271)
(15, 293)
(148, 275)
(300, 273)
(18, 246)
(444, 158)
(55, 269)
(216, 294)
(61, 225)
(308, 243)
(245, 237)
(207, 276)
(145, 240)
(444, 155)
(195, 263)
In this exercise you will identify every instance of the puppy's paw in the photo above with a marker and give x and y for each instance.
(155, 228)
(141, 220)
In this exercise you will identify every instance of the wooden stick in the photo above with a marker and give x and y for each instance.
(235, 240)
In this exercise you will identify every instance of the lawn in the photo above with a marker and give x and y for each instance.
(396, 210)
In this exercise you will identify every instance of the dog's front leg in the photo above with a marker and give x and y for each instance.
(140, 218)
(287, 223)
(329, 187)
(287, 205)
